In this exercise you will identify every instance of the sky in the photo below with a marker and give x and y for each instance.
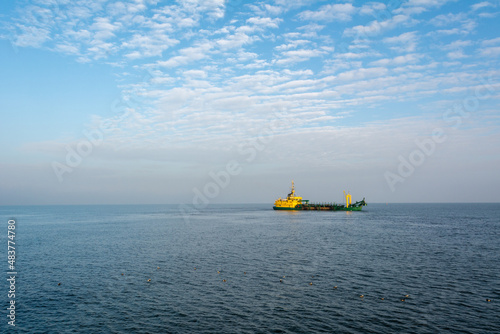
(211, 101)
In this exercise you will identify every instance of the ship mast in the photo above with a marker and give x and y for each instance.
(292, 193)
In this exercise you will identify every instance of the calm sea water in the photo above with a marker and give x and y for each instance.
(421, 268)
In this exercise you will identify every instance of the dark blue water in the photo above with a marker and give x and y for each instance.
(445, 257)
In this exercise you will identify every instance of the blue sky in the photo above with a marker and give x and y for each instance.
(145, 101)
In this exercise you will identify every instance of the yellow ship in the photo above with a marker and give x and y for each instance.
(293, 202)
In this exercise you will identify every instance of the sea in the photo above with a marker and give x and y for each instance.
(391, 268)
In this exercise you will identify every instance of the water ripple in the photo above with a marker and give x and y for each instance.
(248, 269)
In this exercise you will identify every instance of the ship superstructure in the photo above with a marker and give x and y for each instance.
(291, 202)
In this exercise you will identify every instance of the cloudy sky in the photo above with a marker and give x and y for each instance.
(197, 101)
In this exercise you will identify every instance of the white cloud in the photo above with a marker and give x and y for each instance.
(457, 49)
(120, 8)
(426, 3)
(148, 45)
(82, 36)
(466, 27)
(397, 61)
(234, 41)
(67, 49)
(194, 9)
(362, 74)
(198, 74)
(296, 56)
(266, 22)
(188, 55)
(104, 29)
(373, 8)
(458, 54)
(406, 42)
(492, 52)
(459, 44)
(335, 12)
(415, 7)
(488, 42)
(288, 5)
(293, 44)
(447, 19)
(312, 28)
(445, 32)
(99, 49)
(273, 10)
(488, 15)
(377, 27)
(31, 36)
(480, 5)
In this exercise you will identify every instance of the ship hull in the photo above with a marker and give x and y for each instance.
(286, 208)
(319, 208)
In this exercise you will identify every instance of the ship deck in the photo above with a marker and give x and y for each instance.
(328, 207)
